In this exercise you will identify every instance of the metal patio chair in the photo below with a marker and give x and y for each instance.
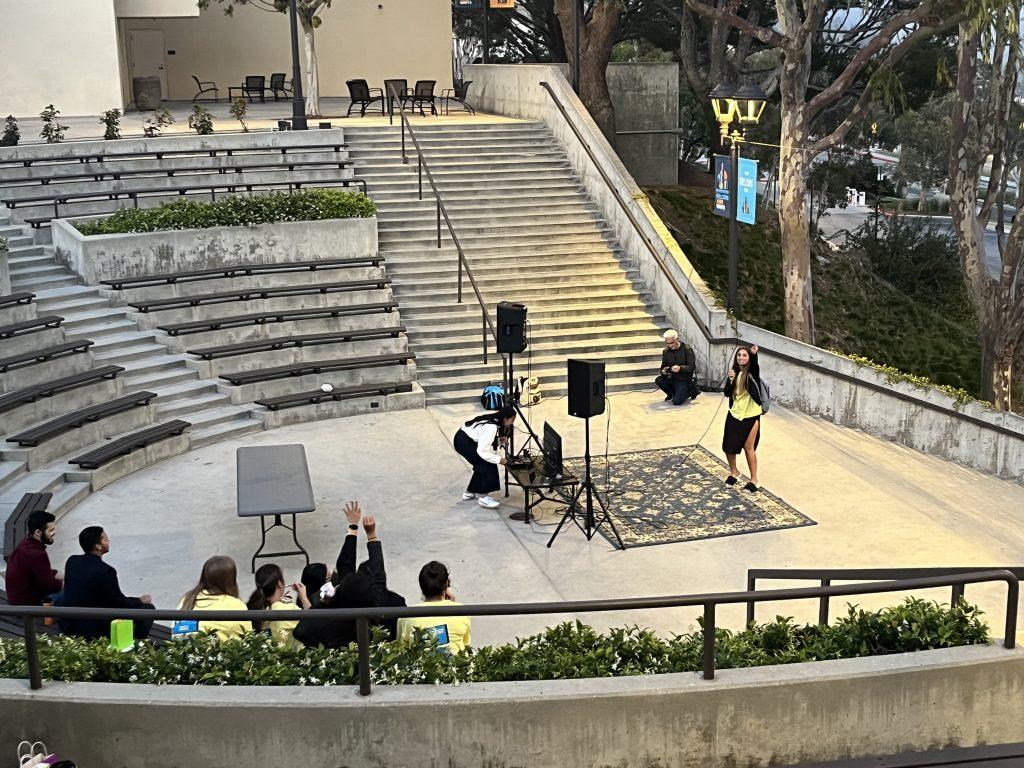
(457, 94)
(205, 86)
(361, 94)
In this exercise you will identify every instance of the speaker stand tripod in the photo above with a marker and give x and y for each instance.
(590, 524)
(512, 399)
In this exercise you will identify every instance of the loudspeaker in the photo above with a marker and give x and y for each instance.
(586, 388)
(511, 327)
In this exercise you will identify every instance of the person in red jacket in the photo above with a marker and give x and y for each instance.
(30, 580)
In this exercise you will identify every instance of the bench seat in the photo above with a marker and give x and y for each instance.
(242, 270)
(317, 396)
(248, 294)
(284, 342)
(30, 394)
(30, 326)
(44, 354)
(55, 427)
(240, 378)
(281, 316)
(12, 299)
(115, 449)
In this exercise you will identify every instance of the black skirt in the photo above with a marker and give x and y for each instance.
(737, 432)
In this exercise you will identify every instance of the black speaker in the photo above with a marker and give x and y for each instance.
(586, 388)
(511, 327)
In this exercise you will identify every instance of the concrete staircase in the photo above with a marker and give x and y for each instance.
(530, 235)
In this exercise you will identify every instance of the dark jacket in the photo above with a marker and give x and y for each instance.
(91, 583)
(30, 579)
(684, 358)
(365, 589)
(753, 382)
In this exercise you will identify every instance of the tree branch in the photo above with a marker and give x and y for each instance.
(764, 34)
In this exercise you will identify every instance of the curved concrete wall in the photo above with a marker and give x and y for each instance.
(753, 717)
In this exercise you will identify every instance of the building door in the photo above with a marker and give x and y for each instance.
(146, 56)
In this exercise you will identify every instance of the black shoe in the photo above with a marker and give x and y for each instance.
(730, 480)
(667, 398)
(751, 487)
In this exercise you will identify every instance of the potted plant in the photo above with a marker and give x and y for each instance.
(238, 109)
(201, 121)
(12, 134)
(53, 131)
(112, 120)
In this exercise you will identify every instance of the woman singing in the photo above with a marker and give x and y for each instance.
(477, 442)
(743, 422)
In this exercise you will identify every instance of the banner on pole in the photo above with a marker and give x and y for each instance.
(506, 5)
(722, 172)
(746, 199)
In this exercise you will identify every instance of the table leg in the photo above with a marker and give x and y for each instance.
(295, 538)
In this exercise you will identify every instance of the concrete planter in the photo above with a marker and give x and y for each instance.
(105, 257)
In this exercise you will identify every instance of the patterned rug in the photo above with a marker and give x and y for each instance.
(679, 494)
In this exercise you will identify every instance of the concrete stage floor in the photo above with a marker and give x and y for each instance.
(876, 504)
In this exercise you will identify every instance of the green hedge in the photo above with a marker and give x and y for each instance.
(306, 205)
(566, 651)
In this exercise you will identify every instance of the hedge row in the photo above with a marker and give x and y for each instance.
(567, 651)
(305, 205)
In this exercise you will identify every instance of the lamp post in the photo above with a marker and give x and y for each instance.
(576, 12)
(298, 103)
(743, 106)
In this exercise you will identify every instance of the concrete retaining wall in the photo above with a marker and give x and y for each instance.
(103, 257)
(753, 717)
(5, 272)
(646, 98)
(832, 386)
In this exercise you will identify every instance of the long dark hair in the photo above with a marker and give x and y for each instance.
(219, 577)
(314, 576)
(496, 417)
(268, 578)
(735, 363)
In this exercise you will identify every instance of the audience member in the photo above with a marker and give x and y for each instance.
(314, 576)
(271, 594)
(363, 587)
(217, 590)
(91, 583)
(30, 580)
(450, 632)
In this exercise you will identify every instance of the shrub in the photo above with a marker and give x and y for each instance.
(53, 131)
(3, 243)
(12, 134)
(112, 120)
(238, 109)
(160, 119)
(307, 205)
(201, 121)
(568, 651)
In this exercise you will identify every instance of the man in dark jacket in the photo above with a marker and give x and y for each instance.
(91, 583)
(30, 580)
(678, 370)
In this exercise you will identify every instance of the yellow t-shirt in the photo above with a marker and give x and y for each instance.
(225, 630)
(281, 631)
(451, 632)
(743, 405)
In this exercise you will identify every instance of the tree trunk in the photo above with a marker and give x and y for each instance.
(596, 43)
(996, 364)
(921, 199)
(312, 74)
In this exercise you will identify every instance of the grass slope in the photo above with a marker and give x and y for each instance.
(856, 312)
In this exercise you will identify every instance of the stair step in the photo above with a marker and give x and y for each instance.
(160, 379)
(549, 389)
(10, 471)
(130, 353)
(67, 496)
(25, 271)
(30, 482)
(641, 332)
(223, 431)
(187, 407)
(193, 388)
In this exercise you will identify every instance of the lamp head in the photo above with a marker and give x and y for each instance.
(723, 103)
(750, 101)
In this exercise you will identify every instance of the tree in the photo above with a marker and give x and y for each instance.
(869, 43)
(308, 12)
(924, 145)
(988, 62)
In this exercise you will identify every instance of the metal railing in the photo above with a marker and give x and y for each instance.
(442, 212)
(362, 616)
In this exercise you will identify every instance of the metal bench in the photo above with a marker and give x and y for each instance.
(42, 355)
(316, 396)
(284, 342)
(13, 299)
(242, 270)
(13, 628)
(30, 326)
(247, 294)
(50, 429)
(264, 318)
(15, 529)
(30, 394)
(315, 367)
(86, 157)
(123, 446)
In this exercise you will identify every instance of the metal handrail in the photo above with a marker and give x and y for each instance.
(709, 601)
(421, 166)
(825, 577)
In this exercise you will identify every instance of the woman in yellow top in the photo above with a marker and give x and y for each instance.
(217, 590)
(270, 594)
(743, 422)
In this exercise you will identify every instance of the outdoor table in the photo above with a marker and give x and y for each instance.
(273, 480)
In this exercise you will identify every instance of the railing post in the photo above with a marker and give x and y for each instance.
(363, 641)
(35, 673)
(483, 317)
(405, 160)
(459, 258)
(956, 595)
(419, 172)
(1012, 598)
(823, 604)
(751, 587)
(438, 223)
(709, 641)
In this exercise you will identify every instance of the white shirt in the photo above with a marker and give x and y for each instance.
(483, 433)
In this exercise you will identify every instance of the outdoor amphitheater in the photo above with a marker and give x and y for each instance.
(201, 388)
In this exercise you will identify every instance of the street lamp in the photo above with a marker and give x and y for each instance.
(298, 103)
(742, 106)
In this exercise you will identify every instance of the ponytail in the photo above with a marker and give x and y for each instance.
(268, 577)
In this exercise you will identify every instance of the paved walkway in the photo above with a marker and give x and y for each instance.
(876, 504)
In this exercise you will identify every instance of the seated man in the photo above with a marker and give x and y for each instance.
(678, 379)
(91, 583)
(30, 580)
(450, 632)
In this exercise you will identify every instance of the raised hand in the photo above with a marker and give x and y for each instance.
(370, 526)
(753, 349)
(353, 512)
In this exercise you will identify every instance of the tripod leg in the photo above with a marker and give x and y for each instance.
(570, 512)
(607, 518)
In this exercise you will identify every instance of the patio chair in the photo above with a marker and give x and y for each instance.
(205, 86)
(280, 87)
(457, 94)
(422, 94)
(255, 85)
(399, 87)
(360, 93)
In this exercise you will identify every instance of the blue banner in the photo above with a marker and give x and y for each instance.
(722, 171)
(746, 199)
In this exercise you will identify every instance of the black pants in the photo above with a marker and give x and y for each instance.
(485, 475)
(678, 389)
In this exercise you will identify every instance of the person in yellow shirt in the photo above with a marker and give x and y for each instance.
(743, 422)
(450, 632)
(271, 594)
(217, 590)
